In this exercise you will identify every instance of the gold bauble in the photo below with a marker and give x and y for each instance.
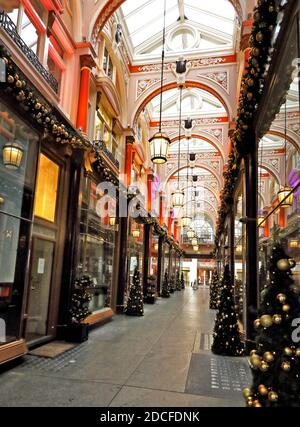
(292, 263)
(257, 323)
(257, 404)
(255, 361)
(259, 36)
(297, 352)
(249, 96)
(281, 298)
(253, 352)
(288, 351)
(277, 319)
(266, 320)
(273, 396)
(10, 79)
(283, 264)
(286, 307)
(246, 393)
(263, 366)
(268, 357)
(249, 401)
(286, 366)
(262, 389)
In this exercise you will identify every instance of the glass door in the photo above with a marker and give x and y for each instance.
(39, 289)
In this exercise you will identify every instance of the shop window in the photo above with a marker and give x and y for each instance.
(96, 250)
(46, 189)
(17, 178)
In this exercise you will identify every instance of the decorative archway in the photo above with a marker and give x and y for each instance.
(197, 166)
(108, 8)
(281, 134)
(217, 92)
(201, 135)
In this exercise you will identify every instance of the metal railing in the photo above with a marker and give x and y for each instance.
(9, 27)
(101, 146)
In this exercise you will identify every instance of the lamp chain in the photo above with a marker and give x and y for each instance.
(162, 66)
(180, 107)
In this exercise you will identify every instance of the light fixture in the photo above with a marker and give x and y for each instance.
(239, 248)
(178, 195)
(181, 71)
(160, 142)
(136, 233)
(190, 233)
(188, 126)
(194, 242)
(196, 248)
(112, 221)
(186, 221)
(12, 155)
(285, 194)
(285, 197)
(293, 243)
(156, 247)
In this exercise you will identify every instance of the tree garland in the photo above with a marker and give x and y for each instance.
(253, 82)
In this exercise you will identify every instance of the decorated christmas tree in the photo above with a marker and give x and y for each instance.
(182, 281)
(214, 291)
(276, 361)
(135, 305)
(178, 282)
(172, 285)
(226, 333)
(165, 292)
(80, 299)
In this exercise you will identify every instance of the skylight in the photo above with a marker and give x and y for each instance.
(191, 25)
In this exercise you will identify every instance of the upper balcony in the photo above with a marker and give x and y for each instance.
(108, 155)
(8, 26)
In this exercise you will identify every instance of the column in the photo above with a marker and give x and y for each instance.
(176, 230)
(161, 209)
(150, 179)
(267, 228)
(147, 231)
(129, 158)
(251, 302)
(282, 217)
(86, 64)
(170, 222)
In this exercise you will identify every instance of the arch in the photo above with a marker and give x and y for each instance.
(199, 166)
(156, 89)
(106, 85)
(108, 8)
(201, 135)
(271, 171)
(201, 200)
(214, 193)
(281, 134)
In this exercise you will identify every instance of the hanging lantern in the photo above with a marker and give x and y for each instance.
(12, 155)
(196, 248)
(159, 148)
(190, 233)
(186, 221)
(118, 34)
(261, 220)
(194, 242)
(293, 243)
(177, 199)
(112, 221)
(156, 247)
(239, 248)
(285, 197)
(136, 233)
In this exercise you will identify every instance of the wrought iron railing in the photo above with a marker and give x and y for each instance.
(9, 27)
(101, 146)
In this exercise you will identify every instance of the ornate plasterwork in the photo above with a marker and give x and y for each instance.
(143, 85)
(216, 132)
(197, 122)
(221, 78)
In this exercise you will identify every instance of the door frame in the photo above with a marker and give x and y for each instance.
(59, 227)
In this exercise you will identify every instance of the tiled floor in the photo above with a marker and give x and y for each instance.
(160, 360)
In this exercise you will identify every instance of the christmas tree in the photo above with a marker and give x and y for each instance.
(172, 285)
(226, 333)
(165, 292)
(182, 281)
(135, 305)
(214, 291)
(276, 361)
(151, 289)
(80, 299)
(178, 282)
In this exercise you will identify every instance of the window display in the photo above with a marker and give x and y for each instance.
(135, 251)
(18, 157)
(96, 251)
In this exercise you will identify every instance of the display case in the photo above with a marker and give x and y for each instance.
(135, 251)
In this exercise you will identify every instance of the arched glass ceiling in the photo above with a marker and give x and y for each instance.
(195, 103)
(195, 145)
(192, 25)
